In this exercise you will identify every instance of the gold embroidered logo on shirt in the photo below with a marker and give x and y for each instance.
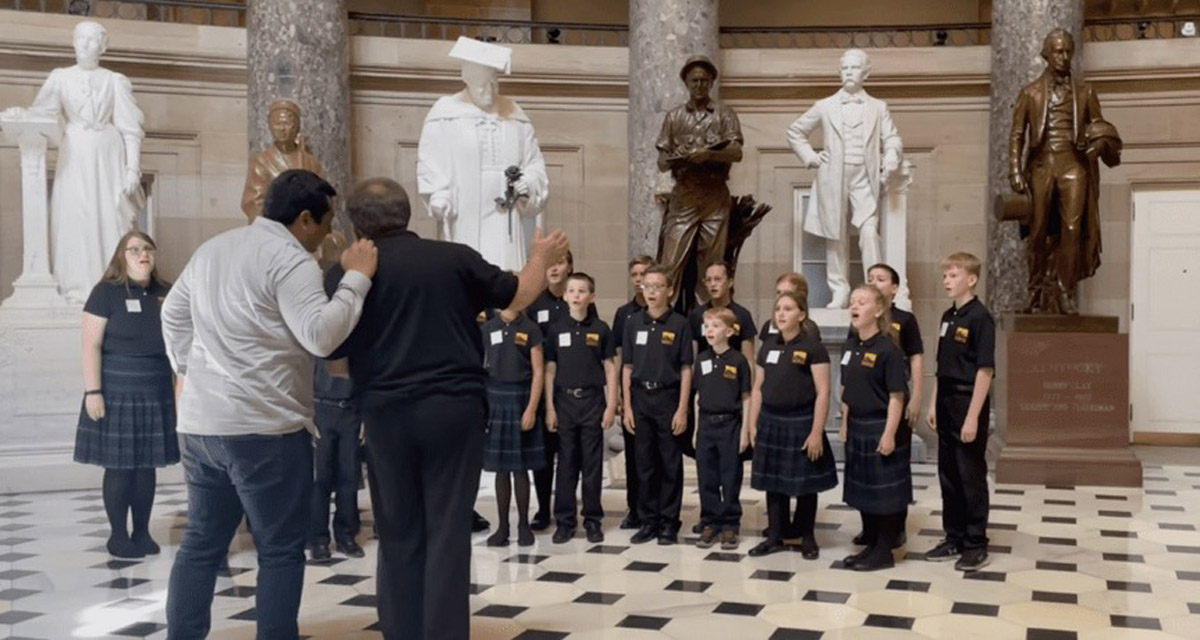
(799, 357)
(668, 338)
(593, 339)
(896, 327)
(737, 328)
(961, 334)
(868, 360)
(731, 372)
(521, 339)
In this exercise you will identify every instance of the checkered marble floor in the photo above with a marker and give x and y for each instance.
(1067, 563)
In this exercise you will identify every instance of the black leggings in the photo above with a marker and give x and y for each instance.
(125, 491)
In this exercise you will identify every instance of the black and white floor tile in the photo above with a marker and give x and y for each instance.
(1067, 563)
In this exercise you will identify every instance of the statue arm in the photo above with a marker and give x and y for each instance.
(255, 190)
(47, 100)
(798, 133)
(664, 146)
(435, 169)
(533, 170)
(893, 146)
(731, 136)
(129, 120)
(1016, 136)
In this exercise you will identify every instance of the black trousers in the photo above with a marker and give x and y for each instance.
(631, 476)
(543, 479)
(426, 457)
(337, 463)
(720, 469)
(580, 451)
(962, 469)
(659, 460)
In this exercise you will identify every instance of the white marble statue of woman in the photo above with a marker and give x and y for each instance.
(467, 143)
(98, 176)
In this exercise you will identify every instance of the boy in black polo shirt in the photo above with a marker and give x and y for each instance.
(722, 376)
(966, 365)
(637, 269)
(581, 396)
(656, 379)
(720, 291)
(547, 308)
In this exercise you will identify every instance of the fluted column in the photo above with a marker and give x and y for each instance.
(1018, 29)
(663, 34)
(300, 50)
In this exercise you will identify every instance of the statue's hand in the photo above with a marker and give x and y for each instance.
(439, 207)
(133, 182)
(521, 187)
(819, 160)
(1017, 182)
(700, 157)
(891, 164)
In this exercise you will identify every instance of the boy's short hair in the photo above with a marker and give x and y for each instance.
(661, 270)
(797, 280)
(724, 314)
(965, 261)
(892, 274)
(641, 260)
(719, 263)
(579, 275)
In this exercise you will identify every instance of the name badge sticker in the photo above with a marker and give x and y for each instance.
(773, 356)
(942, 331)
(846, 358)
(564, 339)
(642, 337)
(497, 337)
(706, 367)
(772, 329)
(543, 316)
(133, 306)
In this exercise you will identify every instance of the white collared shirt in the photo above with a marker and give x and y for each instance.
(242, 324)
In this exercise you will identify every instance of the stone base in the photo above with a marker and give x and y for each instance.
(1064, 466)
(1057, 323)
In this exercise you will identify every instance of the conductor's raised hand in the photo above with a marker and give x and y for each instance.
(550, 248)
(362, 256)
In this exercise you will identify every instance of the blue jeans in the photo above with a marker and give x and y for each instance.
(270, 478)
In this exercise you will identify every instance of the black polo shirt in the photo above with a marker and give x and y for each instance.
(787, 371)
(966, 343)
(905, 326)
(872, 370)
(720, 380)
(418, 335)
(134, 326)
(743, 328)
(507, 347)
(579, 350)
(546, 309)
(657, 348)
(623, 314)
(769, 332)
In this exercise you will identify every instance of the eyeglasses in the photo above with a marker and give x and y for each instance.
(653, 287)
(139, 251)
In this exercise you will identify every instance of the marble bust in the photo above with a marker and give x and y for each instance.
(288, 151)
(468, 144)
(862, 151)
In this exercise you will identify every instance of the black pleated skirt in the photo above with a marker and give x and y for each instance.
(506, 447)
(138, 427)
(876, 483)
(780, 462)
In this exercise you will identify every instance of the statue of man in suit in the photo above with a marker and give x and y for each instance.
(862, 150)
(1057, 135)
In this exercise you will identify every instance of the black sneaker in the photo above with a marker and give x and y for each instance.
(973, 560)
(349, 548)
(729, 540)
(594, 534)
(645, 534)
(563, 534)
(944, 551)
(631, 521)
(668, 537)
(708, 537)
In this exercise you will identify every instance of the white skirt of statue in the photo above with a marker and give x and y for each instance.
(98, 157)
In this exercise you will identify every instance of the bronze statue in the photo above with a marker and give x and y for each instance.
(1057, 136)
(289, 151)
(700, 139)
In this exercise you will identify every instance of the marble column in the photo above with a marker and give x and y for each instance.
(663, 34)
(1018, 29)
(300, 50)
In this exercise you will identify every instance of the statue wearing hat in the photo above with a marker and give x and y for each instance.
(700, 140)
(862, 151)
(1058, 135)
(287, 152)
(480, 171)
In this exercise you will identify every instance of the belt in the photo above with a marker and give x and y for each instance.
(956, 387)
(655, 386)
(341, 404)
(720, 416)
(576, 392)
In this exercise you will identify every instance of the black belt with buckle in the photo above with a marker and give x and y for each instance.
(576, 392)
(656, 386)
(341, 404)
(720, 416)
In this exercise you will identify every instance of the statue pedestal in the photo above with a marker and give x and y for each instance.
(1064, 400)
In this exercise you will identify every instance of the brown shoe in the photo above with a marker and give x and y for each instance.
(707, 537)
(729, 540)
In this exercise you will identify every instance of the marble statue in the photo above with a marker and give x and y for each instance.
(700, 140)
(97, 189)
(480, 171)
(862, 151)
(288, 151)
(1057, 136)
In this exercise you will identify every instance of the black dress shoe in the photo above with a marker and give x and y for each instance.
(540, 522)
(524, 536)
(853, 559)
(809, 549)
(766, 548)
(594, 534)
(668, 537)
(498, 539)
(631, 521)
(320, 553)
(479, 523)
(698, 527)
(563, 534)
(349, 548)
(645, 534)
(860, 539)
(874, 561)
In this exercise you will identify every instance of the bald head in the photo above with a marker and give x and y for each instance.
(377, 206)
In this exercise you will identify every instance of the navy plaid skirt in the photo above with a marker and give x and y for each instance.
(138, 427)
(876, 483)
(507, 448)
(780, 463)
